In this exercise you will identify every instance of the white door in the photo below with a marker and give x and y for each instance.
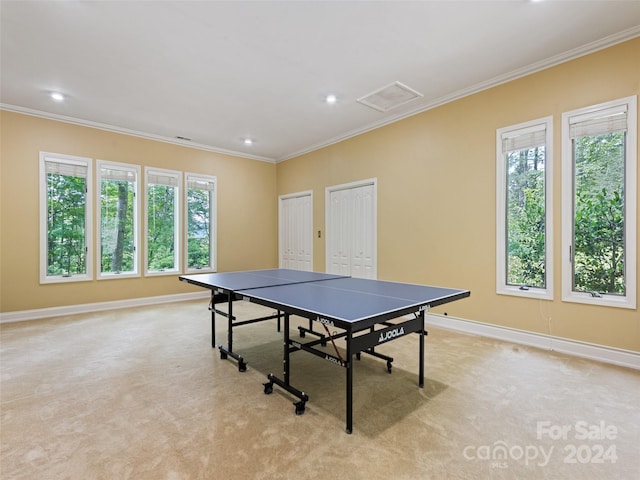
(296, 231)
(351, 229)
(339, 245)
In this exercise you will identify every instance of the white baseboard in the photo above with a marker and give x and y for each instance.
(24, 315)
(624, 358)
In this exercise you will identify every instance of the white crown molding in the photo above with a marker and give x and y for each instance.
(133, 133)
(567, 56)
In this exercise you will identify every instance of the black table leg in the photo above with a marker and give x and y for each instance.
(286, 384)
(228, 351)
(349, 427)
(421, 374)
(230, 329)
(285, 359)
(212, 307)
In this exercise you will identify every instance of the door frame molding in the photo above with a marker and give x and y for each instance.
(327, 214)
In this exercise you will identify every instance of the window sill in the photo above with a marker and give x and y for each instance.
(532, 292)
(603, 301)
(61, 279)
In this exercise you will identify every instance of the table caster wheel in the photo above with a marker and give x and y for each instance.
(299, 407)
(388, 367)
(242, 366)
(268, 388)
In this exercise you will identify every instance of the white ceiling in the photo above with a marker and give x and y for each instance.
(217, 72)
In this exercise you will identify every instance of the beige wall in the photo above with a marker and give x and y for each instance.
(436, 194)
(436, 199)
(247, 209)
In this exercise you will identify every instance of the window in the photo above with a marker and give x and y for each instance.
(163, 220)
(599, 204)
(118, 225)
(65, 218)
(524, 209)
(201, 222)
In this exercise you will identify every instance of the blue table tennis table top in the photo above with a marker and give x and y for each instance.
(250, 279)
(346, 300)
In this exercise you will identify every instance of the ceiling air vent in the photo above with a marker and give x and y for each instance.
(389, 97)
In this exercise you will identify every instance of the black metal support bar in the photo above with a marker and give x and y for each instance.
(323, 341)
(286, 384)
(310, 330)
(373, 353)
(218, 296)
(230, 324)
(349, 427)
(213, 319)
(254, 320)
(224, 352)
(388, 359)
(422, 335)
(319, 353)
(228, 350)
(305, 330)
(396, 330)
(285, 360)
(390, 324)
(304, 398)
(222, 313)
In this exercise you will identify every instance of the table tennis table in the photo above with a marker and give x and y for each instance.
(361, 309)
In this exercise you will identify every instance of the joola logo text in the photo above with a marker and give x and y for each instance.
(325, 321)
(333, 360)
(396, 332)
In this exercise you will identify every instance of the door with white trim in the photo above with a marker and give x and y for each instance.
(296, 231)
(351, 238)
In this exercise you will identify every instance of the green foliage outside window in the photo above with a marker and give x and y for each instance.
(198, 228)
(598, 257)
(599, 209)
(116, 226)
(526, 217)
(161, 227)
(66, 248)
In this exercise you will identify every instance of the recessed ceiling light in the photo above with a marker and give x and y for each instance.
(57, 96)
(248, 141)
(331, 99)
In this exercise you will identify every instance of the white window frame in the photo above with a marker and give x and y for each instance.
(69, 160)
(542, 124)
(213, 216)
(631, 206)
(177, 181)
(125, 167)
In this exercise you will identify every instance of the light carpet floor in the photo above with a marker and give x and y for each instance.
(140, 394)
